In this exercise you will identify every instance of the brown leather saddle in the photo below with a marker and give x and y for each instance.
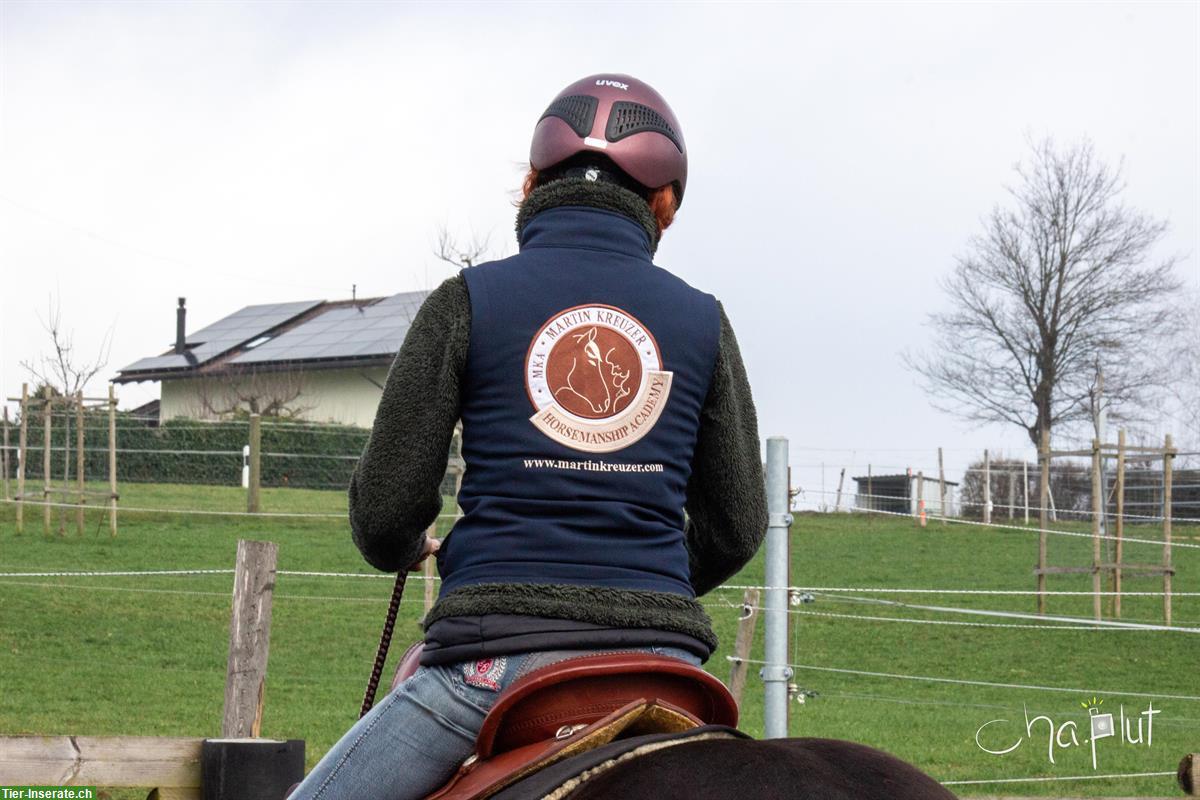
(572, 706)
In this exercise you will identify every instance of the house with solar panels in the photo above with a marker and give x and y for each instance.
(313, 360)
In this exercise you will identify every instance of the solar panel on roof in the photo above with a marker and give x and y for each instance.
(356, 332)
(226, 334)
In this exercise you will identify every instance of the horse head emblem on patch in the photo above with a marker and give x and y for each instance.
(594, 375)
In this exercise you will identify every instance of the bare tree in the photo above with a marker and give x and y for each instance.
(66, 374)
(271, 394)
(1056, 291)
(475, 251)
(63, 370)
(1183, 362)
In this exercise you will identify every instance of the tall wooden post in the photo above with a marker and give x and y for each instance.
(1096, 506)
(79, 465)
(942, 486)
(921, 499)
(837, 506)
(47, 409)
(249, 639)
(1025, 487)
(870, 493)
(112, 461)
(22, 457)
(1012, 493)
(1168, 469)
(1120, 526)
(252, 494)
(987, 488)
(1044, 491)
(428, 571)
(741, 647)
(68, 401)
(4, 459)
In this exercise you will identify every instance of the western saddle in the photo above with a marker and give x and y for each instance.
(575, 705)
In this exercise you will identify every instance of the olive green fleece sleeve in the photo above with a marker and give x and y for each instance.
(726, 496)
(395, 492)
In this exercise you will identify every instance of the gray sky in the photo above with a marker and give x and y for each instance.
(840, 156)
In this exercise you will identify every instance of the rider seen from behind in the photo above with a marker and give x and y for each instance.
(601, 397)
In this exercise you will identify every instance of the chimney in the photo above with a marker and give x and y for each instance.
(180, 320)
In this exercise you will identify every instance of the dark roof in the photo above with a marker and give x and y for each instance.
(314, 334)
(900, 476)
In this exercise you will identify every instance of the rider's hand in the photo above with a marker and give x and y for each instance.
(431, 546)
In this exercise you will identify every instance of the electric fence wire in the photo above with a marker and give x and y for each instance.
(1052, 778)
(101, 507)
(996, 507)
(1022, 528)
(1074, 623)
(967, 682)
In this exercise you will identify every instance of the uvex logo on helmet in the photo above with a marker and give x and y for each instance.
(621, 116)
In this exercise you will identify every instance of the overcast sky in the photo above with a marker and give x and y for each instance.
(840, 156)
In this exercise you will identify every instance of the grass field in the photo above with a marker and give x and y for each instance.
(146, 655)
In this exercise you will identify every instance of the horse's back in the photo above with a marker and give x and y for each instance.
(799, 769)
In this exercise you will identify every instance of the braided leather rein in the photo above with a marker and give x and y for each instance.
(385, 640)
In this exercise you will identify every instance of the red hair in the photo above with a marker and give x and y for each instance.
(661, 200)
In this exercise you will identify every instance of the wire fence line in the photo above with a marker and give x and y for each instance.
(1055, 778)
(196, 511)
(1026, 529)
(1075, 623)
(998, 509)
(967, 682)
(7, 580)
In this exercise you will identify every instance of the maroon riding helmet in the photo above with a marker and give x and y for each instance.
(621, 118)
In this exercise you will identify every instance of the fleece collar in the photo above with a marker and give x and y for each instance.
(582, 192)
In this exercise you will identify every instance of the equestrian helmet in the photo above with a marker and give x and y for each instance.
(617, 116)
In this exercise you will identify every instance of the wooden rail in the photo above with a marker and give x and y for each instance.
(170, 764)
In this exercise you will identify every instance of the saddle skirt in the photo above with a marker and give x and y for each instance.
(572, 706)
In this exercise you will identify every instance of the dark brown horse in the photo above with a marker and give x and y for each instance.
(742, 769)
(673, 742)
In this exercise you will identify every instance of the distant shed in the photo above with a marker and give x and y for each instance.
(898, 494)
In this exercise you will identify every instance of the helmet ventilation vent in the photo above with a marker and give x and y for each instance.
(626, 119)
(577, 110)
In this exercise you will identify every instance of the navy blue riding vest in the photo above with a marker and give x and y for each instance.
(586, 372)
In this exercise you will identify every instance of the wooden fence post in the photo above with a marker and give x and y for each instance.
(837, 506)
(249, 639)
(1012, 493)
(1097, 505)
(79, 465)
(1116, 578)
(112, 461)
(46, 423)
(4, 466)
(22, 457)
(428, 571)
(870, 493)
(987, 488)
(253, 493)
(942, 486)
(1044, 491)
(741, 646)
(1188, 774)
(1168, 469)
(921, 499)
(1025, 486)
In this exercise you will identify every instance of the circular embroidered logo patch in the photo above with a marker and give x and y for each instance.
(594, 375)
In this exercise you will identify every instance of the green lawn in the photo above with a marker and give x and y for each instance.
(146, 655)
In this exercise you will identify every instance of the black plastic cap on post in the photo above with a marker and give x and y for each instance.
(250, 769)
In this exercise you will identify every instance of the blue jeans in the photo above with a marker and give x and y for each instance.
(414, 739)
